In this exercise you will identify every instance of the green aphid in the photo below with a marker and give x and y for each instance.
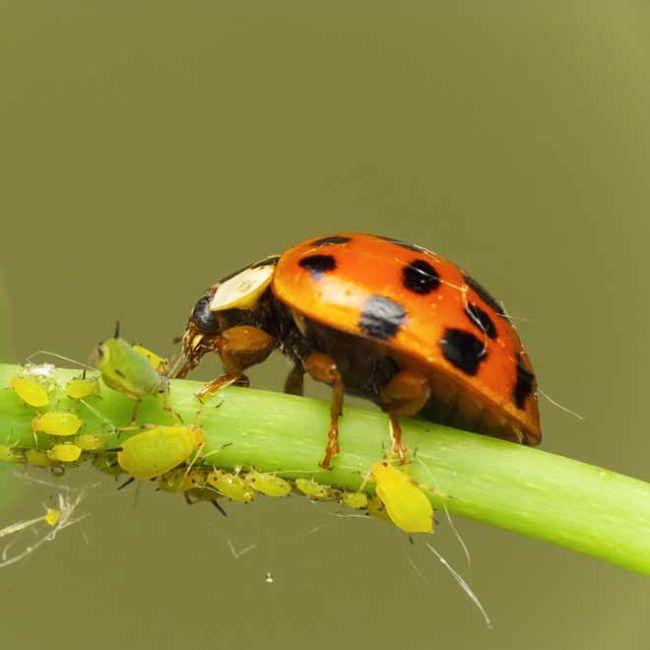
(158, 450)
(37, 458)
(231, 485)
(11, 454)
(314, 490)
(356, 500)
(128, 370)
(89, 441)
(106, 462)
(269, 484)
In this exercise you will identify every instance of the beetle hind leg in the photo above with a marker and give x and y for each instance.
(322, 368)
(403, 395)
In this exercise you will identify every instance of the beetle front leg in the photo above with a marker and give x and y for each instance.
(239, 347)
(405, 394)
(321, 367)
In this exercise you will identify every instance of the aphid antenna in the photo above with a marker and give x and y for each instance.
(557, 404)
(85, 366)
(100, 416)
(464, 585)
(448, 517)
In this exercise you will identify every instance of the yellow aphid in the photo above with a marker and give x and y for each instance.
(269, 484)
(159, 364)
(406, 504)
(64, 453)
(355, 500)
(82, 388)
(30, 391)
(314, 490)
(10, 455)
(52, 516)
(231, 485)
(37, 458)
(89, 441)
(158, 450)
(57, 423)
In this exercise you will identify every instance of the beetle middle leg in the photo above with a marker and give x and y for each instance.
(239, 347)
(294, 383)
(405, 394)
(321, 367)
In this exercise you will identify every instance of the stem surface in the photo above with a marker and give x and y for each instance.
(542, 495)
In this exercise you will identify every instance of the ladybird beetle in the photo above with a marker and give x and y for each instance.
(378, 318)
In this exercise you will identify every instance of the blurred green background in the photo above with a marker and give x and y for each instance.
(148, 148)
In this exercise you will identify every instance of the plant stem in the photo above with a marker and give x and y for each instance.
(542, 495)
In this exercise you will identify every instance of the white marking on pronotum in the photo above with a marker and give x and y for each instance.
(244, 289)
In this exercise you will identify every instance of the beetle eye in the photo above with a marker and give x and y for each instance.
(204, 319)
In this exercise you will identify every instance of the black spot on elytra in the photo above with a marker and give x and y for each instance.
(317, 265)
(484, 295)
(481, 319)
(403, 244)
(420, 277)
(204, 319)
(334, 239)
(381, 317)
(463, 350)
(524, 384)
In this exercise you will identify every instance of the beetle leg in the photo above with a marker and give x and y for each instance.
(321, 367)
(294, 384)
(239, 347)
(405, 394)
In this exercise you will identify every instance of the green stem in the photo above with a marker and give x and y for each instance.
(563, 501)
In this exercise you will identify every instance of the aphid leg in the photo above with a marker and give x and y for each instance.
(239, 347)
(405, 394)
(294, 383)
(321, 367)
(219, 507)
(167, 406)
(134, 412)
(126, 483)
